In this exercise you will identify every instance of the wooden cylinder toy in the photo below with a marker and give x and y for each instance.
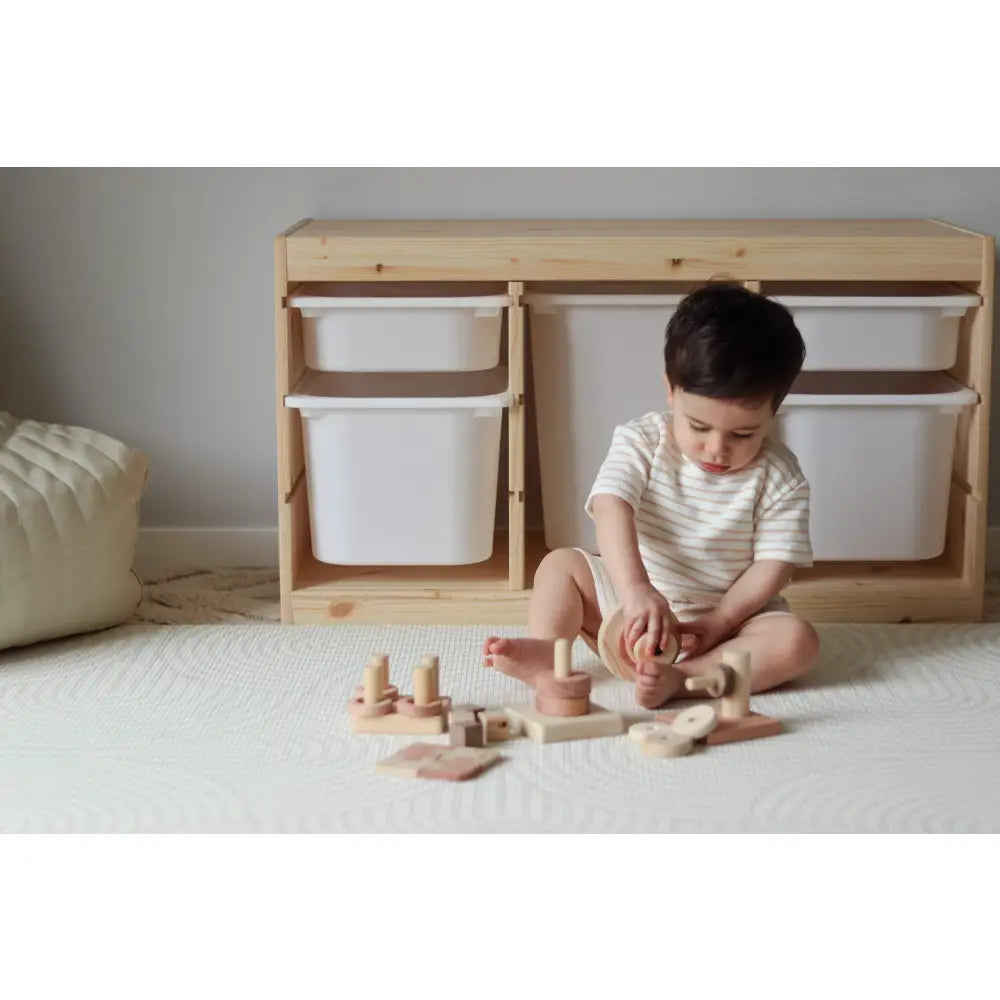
(425, 689)
(381, 661)
(736, 704)
(373, 684)
(563, 658)
(562, 707)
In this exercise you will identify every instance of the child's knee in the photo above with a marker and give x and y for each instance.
(802, 647)
(559, 564)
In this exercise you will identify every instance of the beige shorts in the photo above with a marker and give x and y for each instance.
(685, 607)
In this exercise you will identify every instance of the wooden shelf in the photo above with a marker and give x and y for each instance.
(589, 255)
(476, 594)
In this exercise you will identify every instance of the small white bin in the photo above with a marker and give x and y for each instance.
(402, 469)
(877, 450)
(597, 361)
(849, 327)
(400, 328)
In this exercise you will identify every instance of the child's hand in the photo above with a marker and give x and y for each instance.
(704, 634)
(646, 612)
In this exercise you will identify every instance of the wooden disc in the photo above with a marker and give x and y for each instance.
(562, 707)
(577, 685)
(359, 710)
(640, 731)
(666, 745)
(611, 646)
(406, 706)
(391, 692)
(695, 722)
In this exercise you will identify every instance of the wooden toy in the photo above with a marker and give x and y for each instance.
(498, 726)
(666, 744)
(424, 713)
(465, 734)
(562, 711)
(564, 683)
(428, 760)
(639, 731)
(381, 661)
(610, 647)
(695, 722)
(553, 729)
(735, 719)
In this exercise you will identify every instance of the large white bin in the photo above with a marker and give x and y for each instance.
(414, 328)
(877, 450)
(597, 361)
(402, 469)
(849, 327)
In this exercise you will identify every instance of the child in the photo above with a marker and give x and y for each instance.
(700, 516)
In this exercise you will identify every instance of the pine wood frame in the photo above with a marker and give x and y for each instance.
(522, 253)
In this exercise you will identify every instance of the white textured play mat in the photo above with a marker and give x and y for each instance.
(232, 728)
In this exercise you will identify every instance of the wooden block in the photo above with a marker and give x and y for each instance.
(752, 727)
(461, 717)
(548, 729)
(465, 734)
(428, 760)
(561, 707)
(396, 723)
(496, 725)
(475, 709)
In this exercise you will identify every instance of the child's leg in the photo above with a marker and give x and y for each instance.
(563, 601)
(781, 647)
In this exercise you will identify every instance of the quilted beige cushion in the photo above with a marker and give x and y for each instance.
(69, 518)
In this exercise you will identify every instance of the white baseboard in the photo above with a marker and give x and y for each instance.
(161, 549)
(206, 547)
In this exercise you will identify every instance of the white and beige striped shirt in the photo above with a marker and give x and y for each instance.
(699, 532)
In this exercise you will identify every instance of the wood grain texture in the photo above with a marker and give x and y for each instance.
(525, 250)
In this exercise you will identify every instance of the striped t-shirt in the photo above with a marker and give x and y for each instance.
(698, 532)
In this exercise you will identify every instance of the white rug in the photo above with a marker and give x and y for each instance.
(243, 728)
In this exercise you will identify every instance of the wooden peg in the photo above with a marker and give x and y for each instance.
(736, 705)
(718, 680)
(425, 688)
(373, 684)
(563, 658)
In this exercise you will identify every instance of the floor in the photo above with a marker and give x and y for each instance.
(229, 596)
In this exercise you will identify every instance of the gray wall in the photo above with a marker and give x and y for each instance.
(139, 302)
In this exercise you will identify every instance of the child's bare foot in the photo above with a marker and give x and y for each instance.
(656, 684)
(524, 659)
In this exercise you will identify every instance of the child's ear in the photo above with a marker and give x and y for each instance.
(670, 391)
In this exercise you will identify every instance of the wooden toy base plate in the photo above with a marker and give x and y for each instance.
(753, 727)
(428, 760)
(396, 722)
(554, 729)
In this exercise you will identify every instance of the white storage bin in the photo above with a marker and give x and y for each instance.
(848, 327)
(400, 328)
(877, 450)
(402, 469)
(597, 361)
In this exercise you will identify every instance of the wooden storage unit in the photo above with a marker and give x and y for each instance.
(526, 253)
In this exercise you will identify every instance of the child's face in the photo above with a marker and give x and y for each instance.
(720, 435)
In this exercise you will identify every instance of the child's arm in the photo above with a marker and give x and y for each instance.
(646, 609)
(759, 583)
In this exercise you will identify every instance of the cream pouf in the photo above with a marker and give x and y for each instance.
(69, 519)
